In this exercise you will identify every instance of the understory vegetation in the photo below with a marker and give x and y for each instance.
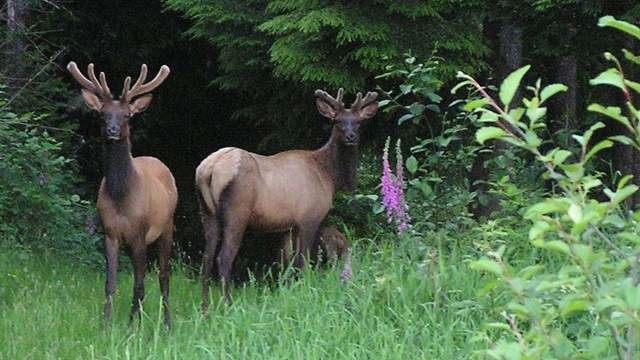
(552, 272)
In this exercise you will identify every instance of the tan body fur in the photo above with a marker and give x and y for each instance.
(147, 211)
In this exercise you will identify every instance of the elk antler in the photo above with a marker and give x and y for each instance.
(100, 88)
(139, 87)
(335, 103)
(360, 102)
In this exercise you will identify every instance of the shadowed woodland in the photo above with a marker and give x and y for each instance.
(489, 147)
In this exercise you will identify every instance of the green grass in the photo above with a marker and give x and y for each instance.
(398, 306)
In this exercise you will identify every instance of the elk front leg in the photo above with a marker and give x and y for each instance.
(164, 255)
(139, 257)
(111, 257)
(304, 242)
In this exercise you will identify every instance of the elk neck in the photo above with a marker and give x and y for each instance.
(340, 162)
(118, 168)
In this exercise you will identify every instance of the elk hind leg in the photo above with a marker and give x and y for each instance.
(233, 233)
(212, 238)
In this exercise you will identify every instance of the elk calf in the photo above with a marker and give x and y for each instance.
(138, 196)
(334, 244)
(288, 191)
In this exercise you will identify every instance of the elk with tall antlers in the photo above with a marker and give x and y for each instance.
(291, 190)
(138, 196)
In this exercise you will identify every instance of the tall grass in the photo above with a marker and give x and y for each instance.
(399, 305)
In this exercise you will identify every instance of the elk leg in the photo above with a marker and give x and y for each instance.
(233, 234)
(212, 237)
(139, 257)
(111, 257)
(287, 247)
(306, 237)
(164, 255)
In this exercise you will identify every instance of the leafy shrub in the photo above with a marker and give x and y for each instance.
(38, 206)
(585, 303)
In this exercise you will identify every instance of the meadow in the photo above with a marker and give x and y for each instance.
(400, 304)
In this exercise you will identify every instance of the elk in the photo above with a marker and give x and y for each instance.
(333, 244)
(289, 191)
(138, 196)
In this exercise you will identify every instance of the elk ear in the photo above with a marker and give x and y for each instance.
(91, 100)
(141, 104)
(368, 111)
(325, 109)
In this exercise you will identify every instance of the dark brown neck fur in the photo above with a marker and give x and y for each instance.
(340, 162)
(118, 168)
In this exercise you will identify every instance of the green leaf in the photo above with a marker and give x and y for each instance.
(560, 156)
(633, 85)
(613, 112)
(536, 113)
(631, 57)
(572, 303)
(545, 207)
(474, 104)
(510, 85)
(551, 90)
(416, 109)
(605, 144)
(631, 294)
(620, 25)
(487, 265)
(405, 89)
(610, 77)
(488, 133)
(532, 138)
(497, 326)
(405, 117)
(538, 229)
(623, 193)
(597, 345)
(575, 213)
(555, 245)
(607, 303)
(412, 164)
(633, 237)
(589, 133)
(622, 139)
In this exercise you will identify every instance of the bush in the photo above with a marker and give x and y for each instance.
(38, 206)
(585, 303)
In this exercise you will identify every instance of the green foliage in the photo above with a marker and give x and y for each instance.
(585, 303)
(330, 42)
(38, 203)
(406, 301)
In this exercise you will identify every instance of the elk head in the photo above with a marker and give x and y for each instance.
(347, 121)
(116, 113)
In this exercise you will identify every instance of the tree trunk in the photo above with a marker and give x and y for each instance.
(562, 113)
(510, 50)
(509, 59)
(628, 159)
(16, 27)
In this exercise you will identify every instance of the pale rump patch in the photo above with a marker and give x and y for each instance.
(216, 171)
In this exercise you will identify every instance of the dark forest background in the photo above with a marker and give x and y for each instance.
(243, 74)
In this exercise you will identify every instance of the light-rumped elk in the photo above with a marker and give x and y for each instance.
(291, 190)
(138, 196)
